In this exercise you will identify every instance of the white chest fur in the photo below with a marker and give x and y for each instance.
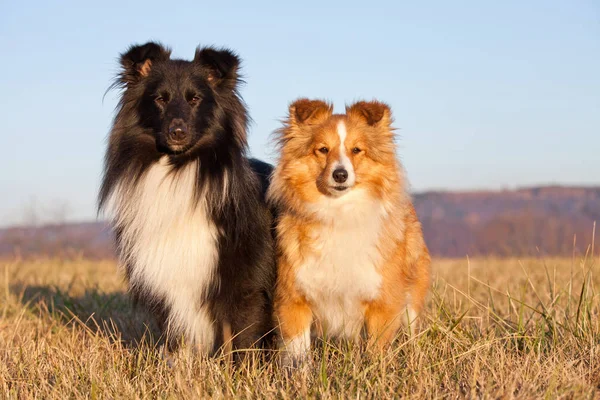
(340, 271)
(170, 244)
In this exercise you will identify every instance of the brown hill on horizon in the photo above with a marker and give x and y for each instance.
(544, 220)
(529, 221)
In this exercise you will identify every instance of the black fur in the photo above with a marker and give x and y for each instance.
(199, 97)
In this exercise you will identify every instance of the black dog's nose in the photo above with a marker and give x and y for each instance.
(177, 130)
(340, 175)
(177, 134)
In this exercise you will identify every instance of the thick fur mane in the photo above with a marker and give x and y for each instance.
(192, 229)
(223, 172)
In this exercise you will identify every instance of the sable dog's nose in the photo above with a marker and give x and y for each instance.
(340, 175)
(177, 130)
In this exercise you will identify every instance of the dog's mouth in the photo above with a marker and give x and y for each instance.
(178, 148)
(190, 144)
(171, 146)
(338, 190)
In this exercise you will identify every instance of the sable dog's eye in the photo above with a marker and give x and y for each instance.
(324, 150)
(356, 150)
(160, 100)
(194, 100)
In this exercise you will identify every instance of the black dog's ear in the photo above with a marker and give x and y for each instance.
(221, 65)
(137, 61)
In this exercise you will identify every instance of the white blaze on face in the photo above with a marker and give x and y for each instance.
(343, 161)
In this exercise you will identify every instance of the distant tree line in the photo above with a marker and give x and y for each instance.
(526, 222)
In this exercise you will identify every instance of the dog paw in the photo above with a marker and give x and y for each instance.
(293, 362)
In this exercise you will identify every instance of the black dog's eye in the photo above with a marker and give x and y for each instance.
(356, 150)
(194, 100)
(324, 150)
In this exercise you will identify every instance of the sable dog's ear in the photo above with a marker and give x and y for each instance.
(305, 111)
(137, 61)
(221, 66)
(374, 113)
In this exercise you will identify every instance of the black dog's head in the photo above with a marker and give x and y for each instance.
(182, 103)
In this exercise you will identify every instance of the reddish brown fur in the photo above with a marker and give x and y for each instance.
(298, 185)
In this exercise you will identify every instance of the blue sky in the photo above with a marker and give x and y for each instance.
(486, 94)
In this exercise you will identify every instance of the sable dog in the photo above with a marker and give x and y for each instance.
(191, 224)
(350, 248)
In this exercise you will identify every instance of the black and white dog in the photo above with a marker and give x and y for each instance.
(187, 206)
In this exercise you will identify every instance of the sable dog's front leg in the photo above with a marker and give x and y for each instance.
(294, 316)
(382, 322)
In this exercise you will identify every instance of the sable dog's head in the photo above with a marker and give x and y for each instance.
(331, 155)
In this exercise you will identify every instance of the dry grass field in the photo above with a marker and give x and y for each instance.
(493, 328)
